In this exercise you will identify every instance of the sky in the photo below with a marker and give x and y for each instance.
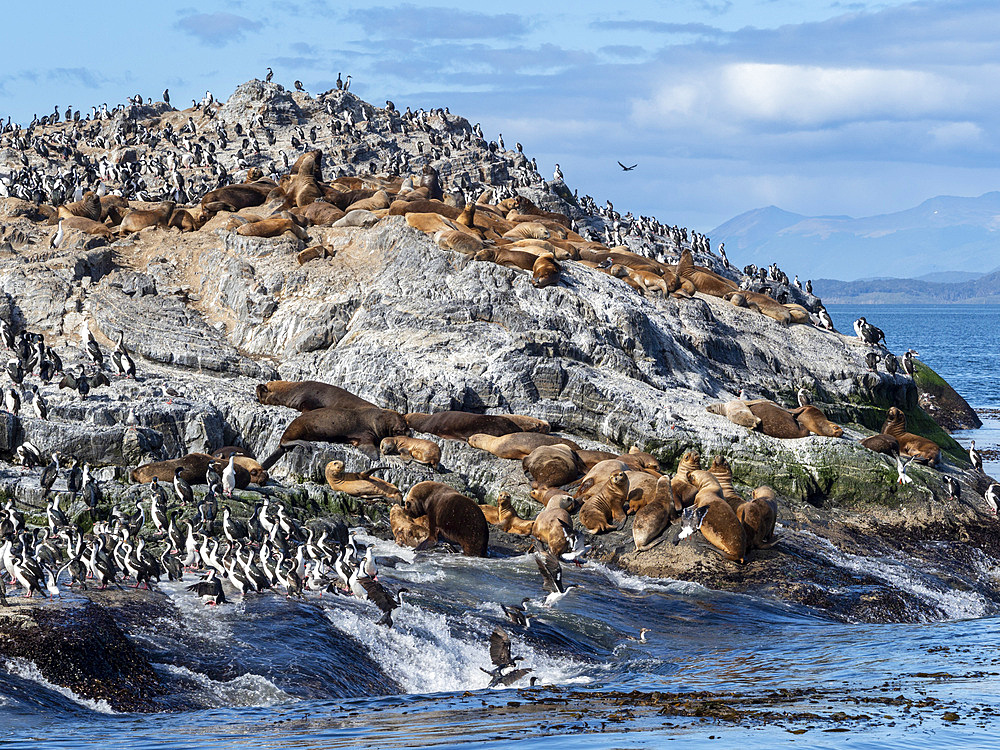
(818, 107)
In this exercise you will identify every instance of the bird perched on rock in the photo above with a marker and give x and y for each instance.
(953, 487)
(908, 367)
(993, 497)
(901, 467)
(804, 398)
(975, 458)
(871, 359)
(298, 86)
(49, 475)
(269, 76)
(891, 363)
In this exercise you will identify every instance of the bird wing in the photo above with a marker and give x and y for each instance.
(513, 676)
(500, 647)
(551, 572)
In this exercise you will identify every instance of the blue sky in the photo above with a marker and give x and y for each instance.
(855, 108)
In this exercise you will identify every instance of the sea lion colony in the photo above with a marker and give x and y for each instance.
(147, 168)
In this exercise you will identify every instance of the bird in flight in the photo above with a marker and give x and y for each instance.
(627, 169)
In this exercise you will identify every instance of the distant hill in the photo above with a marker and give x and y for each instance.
(982, 289)
(943, 234)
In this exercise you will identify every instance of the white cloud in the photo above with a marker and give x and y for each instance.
(957, 134)
(801, 96)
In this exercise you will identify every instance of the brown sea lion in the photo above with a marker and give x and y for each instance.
(407, 530)
(135, 221)
(503, 515)
(684, 491)
(544, 271)
(767, 306)
(430, 223)
(245, 459)
(274, 226)
(460, 425)
(508, 257)
(460, 242)
(708, 487)
(721, 527)
(646, 461)
(653, 518)
(704, 280)
(723, 473)
(924, 450)
(235, 197)
(451, 517)
(195, 465)
(186, 219)
(550, 526)
(886, 444)
(420, 450)
(552, 465)
(608, 505)
(363, 428)
(758, 517)
(737, 412)
(89, 207)
(524, 205)
(598, 475)
(775, 420)
(816, 422)
(87, 225)
(320, 213)
(307, 395)
(517, 445)
(360, 484)
(641, 489)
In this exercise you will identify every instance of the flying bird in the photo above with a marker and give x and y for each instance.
(627, 169)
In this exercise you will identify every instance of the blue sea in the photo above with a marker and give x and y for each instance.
(729, 670)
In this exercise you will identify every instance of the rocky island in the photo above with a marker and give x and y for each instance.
(441, 273)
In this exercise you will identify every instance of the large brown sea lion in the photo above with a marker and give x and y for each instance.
(194, 464)
(816, 422)
(451, 517)
(704, 280)
(460, 425)
(552, 465)
(420, 450)
(235, 197)
(550, 526)
(921, 448)
(758, 517)
(360, 484)
(608, 505)
(653, 518)
(363, 428)
(517, 445)
(721, 527)
(307, 395)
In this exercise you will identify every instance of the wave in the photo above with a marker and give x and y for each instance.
(28, 670)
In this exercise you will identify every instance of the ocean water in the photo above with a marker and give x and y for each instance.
(735, 670)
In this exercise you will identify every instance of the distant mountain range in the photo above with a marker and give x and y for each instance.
(982, 288)
(938, 238)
